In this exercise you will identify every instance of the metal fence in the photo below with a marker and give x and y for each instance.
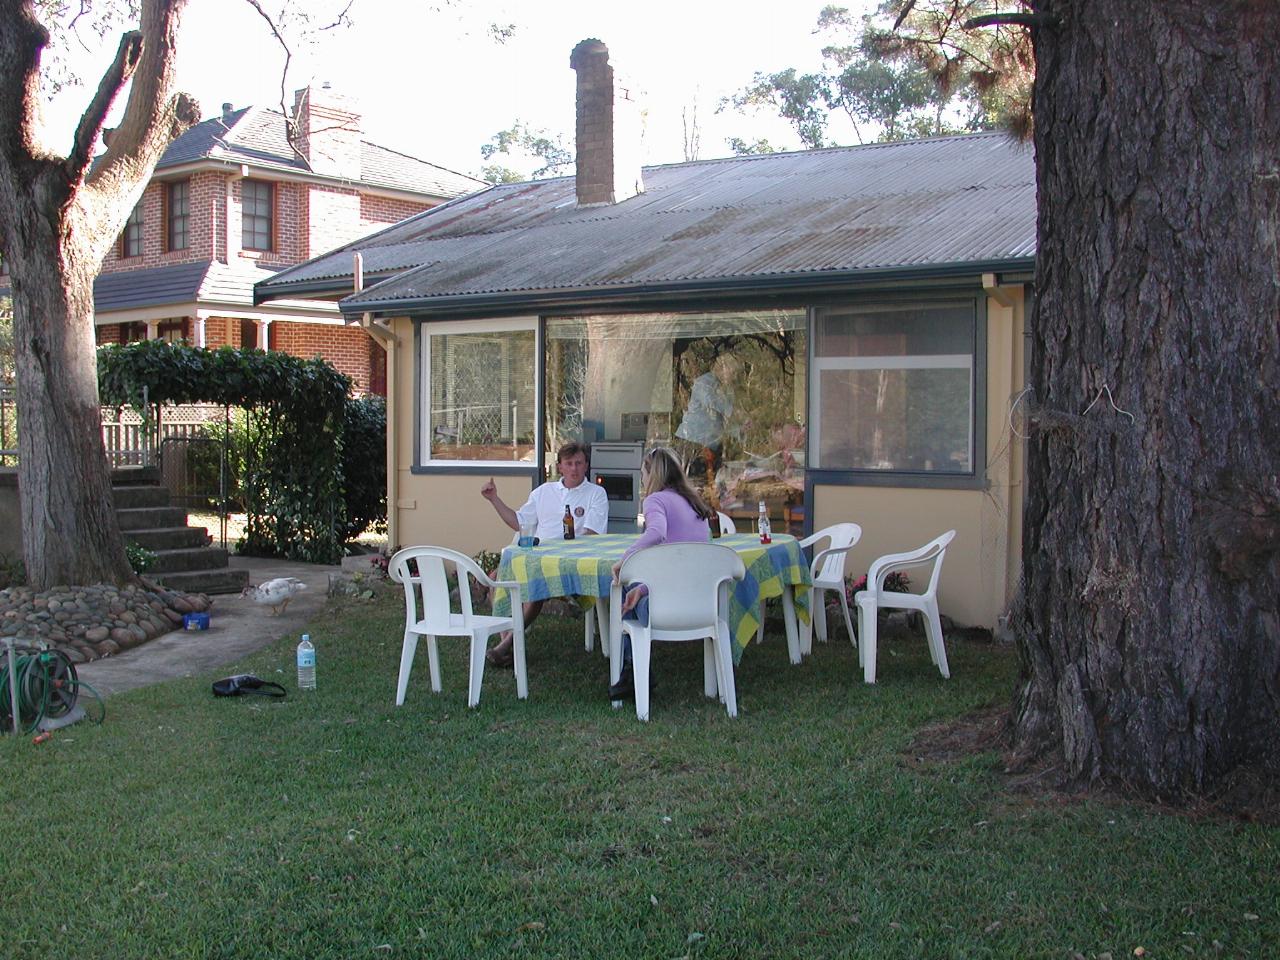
(8, 425)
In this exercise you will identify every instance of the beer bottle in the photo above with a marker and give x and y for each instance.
(567, 520)
(713, 522)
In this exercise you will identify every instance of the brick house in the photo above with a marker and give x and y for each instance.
(230, 203)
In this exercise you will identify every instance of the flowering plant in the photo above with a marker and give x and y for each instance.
(896, 581)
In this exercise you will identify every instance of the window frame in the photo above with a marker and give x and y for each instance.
(423, 331)
(171, 219)
(271, 215)
(974, 479)
(135, 223)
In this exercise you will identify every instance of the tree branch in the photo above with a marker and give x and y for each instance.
(1030, 20)
(290, 126)
(153, 115)
(126, 62)
(22, 39)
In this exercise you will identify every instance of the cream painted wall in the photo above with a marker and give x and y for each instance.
(983, 565)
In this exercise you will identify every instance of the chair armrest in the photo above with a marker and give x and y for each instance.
(813, 538)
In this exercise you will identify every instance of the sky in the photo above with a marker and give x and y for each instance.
(432, 82)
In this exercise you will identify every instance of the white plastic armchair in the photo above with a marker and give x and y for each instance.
(429, 613)
(727, 527)
(688, 600)
(875, 597)
(827, 573)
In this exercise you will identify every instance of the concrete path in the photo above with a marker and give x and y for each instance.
(237, 627)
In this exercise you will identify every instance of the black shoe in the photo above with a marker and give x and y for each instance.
(625, 688)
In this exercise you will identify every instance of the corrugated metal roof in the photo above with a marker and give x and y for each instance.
(256, 135)
(911, 205)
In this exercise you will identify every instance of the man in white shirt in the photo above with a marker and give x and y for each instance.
(587, 503)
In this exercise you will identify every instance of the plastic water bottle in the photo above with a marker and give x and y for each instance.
(306, 664)
(766, 535)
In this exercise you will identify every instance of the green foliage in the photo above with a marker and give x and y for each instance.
(992, 67)
(929, 77)
(487, 560)
(140, 558)
(539, 145)
(364, 465)
(741, 148)
(12, 571)
(291, 482)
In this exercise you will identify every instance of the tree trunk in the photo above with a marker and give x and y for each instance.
(1149, 630)
(70, 532)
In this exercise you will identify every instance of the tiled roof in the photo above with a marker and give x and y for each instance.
(912, 208)
(179, 283)
(256, 135)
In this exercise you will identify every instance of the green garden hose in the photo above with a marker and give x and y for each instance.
(48, 688)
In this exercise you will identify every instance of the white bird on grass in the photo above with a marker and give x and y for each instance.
(275, 593)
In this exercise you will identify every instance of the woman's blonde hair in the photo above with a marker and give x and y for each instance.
(665, 473)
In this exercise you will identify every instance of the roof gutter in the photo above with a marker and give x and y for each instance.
(536, 301)
(289, 175)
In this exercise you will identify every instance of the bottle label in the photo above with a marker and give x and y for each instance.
(306, 658)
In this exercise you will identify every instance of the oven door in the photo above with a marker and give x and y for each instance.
(622, 487)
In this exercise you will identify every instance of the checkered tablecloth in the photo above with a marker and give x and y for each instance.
(583, 568)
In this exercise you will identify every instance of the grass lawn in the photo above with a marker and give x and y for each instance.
(335, 825)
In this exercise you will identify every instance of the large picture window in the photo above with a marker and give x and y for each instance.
(894, 387)
(480, 399)
(724, 390)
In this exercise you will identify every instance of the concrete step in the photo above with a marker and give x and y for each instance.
(128, 476)
(190, 558)
(225, 580)
(149, 518)
(139, 495)
(169, 538)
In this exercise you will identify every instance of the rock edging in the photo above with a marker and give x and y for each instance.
(89, 622)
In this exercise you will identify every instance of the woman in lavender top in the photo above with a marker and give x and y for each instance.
(673, 513)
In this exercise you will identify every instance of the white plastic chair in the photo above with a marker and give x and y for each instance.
(427, 591)
(875, 597)
(827, 573)
(727, 527)
(688, 600)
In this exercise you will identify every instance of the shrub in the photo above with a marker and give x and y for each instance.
(140, 558)
(364, 465)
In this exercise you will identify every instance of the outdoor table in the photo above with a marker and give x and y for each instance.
(583, 568)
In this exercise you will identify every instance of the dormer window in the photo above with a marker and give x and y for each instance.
(177, 206)
(131, 236)
(257, 201)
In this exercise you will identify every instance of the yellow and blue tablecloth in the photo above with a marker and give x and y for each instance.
(583, 568)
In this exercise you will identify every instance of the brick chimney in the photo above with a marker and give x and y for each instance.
(328, 127)
(608, 129)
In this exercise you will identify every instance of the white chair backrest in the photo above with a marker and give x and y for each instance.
(683, 580)
(727, 527)
(932, 553)
(839, 535)
(429, 585)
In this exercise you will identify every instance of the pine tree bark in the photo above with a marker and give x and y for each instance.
(1149, 630)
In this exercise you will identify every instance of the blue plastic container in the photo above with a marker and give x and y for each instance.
(195, 621)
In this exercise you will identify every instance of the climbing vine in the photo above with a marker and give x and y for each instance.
(293, 480)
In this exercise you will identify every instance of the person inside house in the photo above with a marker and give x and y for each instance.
(587, 503)
(706, 419)
(673, 513)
